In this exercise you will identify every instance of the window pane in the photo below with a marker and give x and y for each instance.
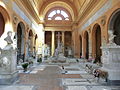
(64, 14)
(58, 11)
(67, 19)
(58, 18)
(52, 14)
(49, 19)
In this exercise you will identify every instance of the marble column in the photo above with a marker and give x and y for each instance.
(53, 43)
(90, 46)
(84, 47)
(63, 39)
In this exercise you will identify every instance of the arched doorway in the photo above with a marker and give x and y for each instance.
(2, 24)
(80, 38)
(30, 44)
(97, 43)
(20, 41)
(68, 50)
(48, 38)
(86, 44)
(4, 18)
(114, 26)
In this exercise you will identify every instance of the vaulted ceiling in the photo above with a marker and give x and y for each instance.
(73, 6)
(77, 3)
(77, 8)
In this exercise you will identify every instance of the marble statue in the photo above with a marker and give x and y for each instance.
(9, 41)
(8, 70)
(8, 38)
(59, 52)
(69, 51)
(111, 37)
(4, 62)
(45, 50)
(61, 47)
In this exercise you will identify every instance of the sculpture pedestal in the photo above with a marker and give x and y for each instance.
(8, 72)
(111, 63)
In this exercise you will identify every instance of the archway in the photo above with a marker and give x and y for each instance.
(2, 24)
(96, 43)
(20, 41)
(114, 26)
(4, 18)
(86, 44)
(48, 37)
(80, 38)
(68, 50)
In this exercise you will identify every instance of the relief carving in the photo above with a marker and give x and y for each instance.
(103, 20)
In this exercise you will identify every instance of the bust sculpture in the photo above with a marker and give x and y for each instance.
(8, 40)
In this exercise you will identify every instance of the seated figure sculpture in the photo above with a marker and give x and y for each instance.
(111, 37)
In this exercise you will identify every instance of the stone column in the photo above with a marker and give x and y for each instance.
(26, 47)
(53, 43)
(83, 48)
(63, 39)
(90, 45)
(31, 45)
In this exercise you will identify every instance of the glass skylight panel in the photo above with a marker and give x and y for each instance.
(64, 14)
(49, 18)
(52, 14)
(58, 11)
(58, 18)
(66, 18)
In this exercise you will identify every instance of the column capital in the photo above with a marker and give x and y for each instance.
(52, 31)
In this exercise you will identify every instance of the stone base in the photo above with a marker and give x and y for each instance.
(111, 62)
(7, 79)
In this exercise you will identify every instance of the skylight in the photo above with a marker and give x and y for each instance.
(58, 15)
(58, 18)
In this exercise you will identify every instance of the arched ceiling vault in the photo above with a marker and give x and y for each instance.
(47, 5)
(39, 8)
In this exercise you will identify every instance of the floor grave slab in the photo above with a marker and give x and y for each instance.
(76, 88)
(76, 72)
(75, 82)
(71, 69)
(72, 66)
(16, 87)
(70, 76)
(104, 88)
(87, 76)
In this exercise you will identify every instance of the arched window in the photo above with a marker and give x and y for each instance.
(58, 18)
(58, 14)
